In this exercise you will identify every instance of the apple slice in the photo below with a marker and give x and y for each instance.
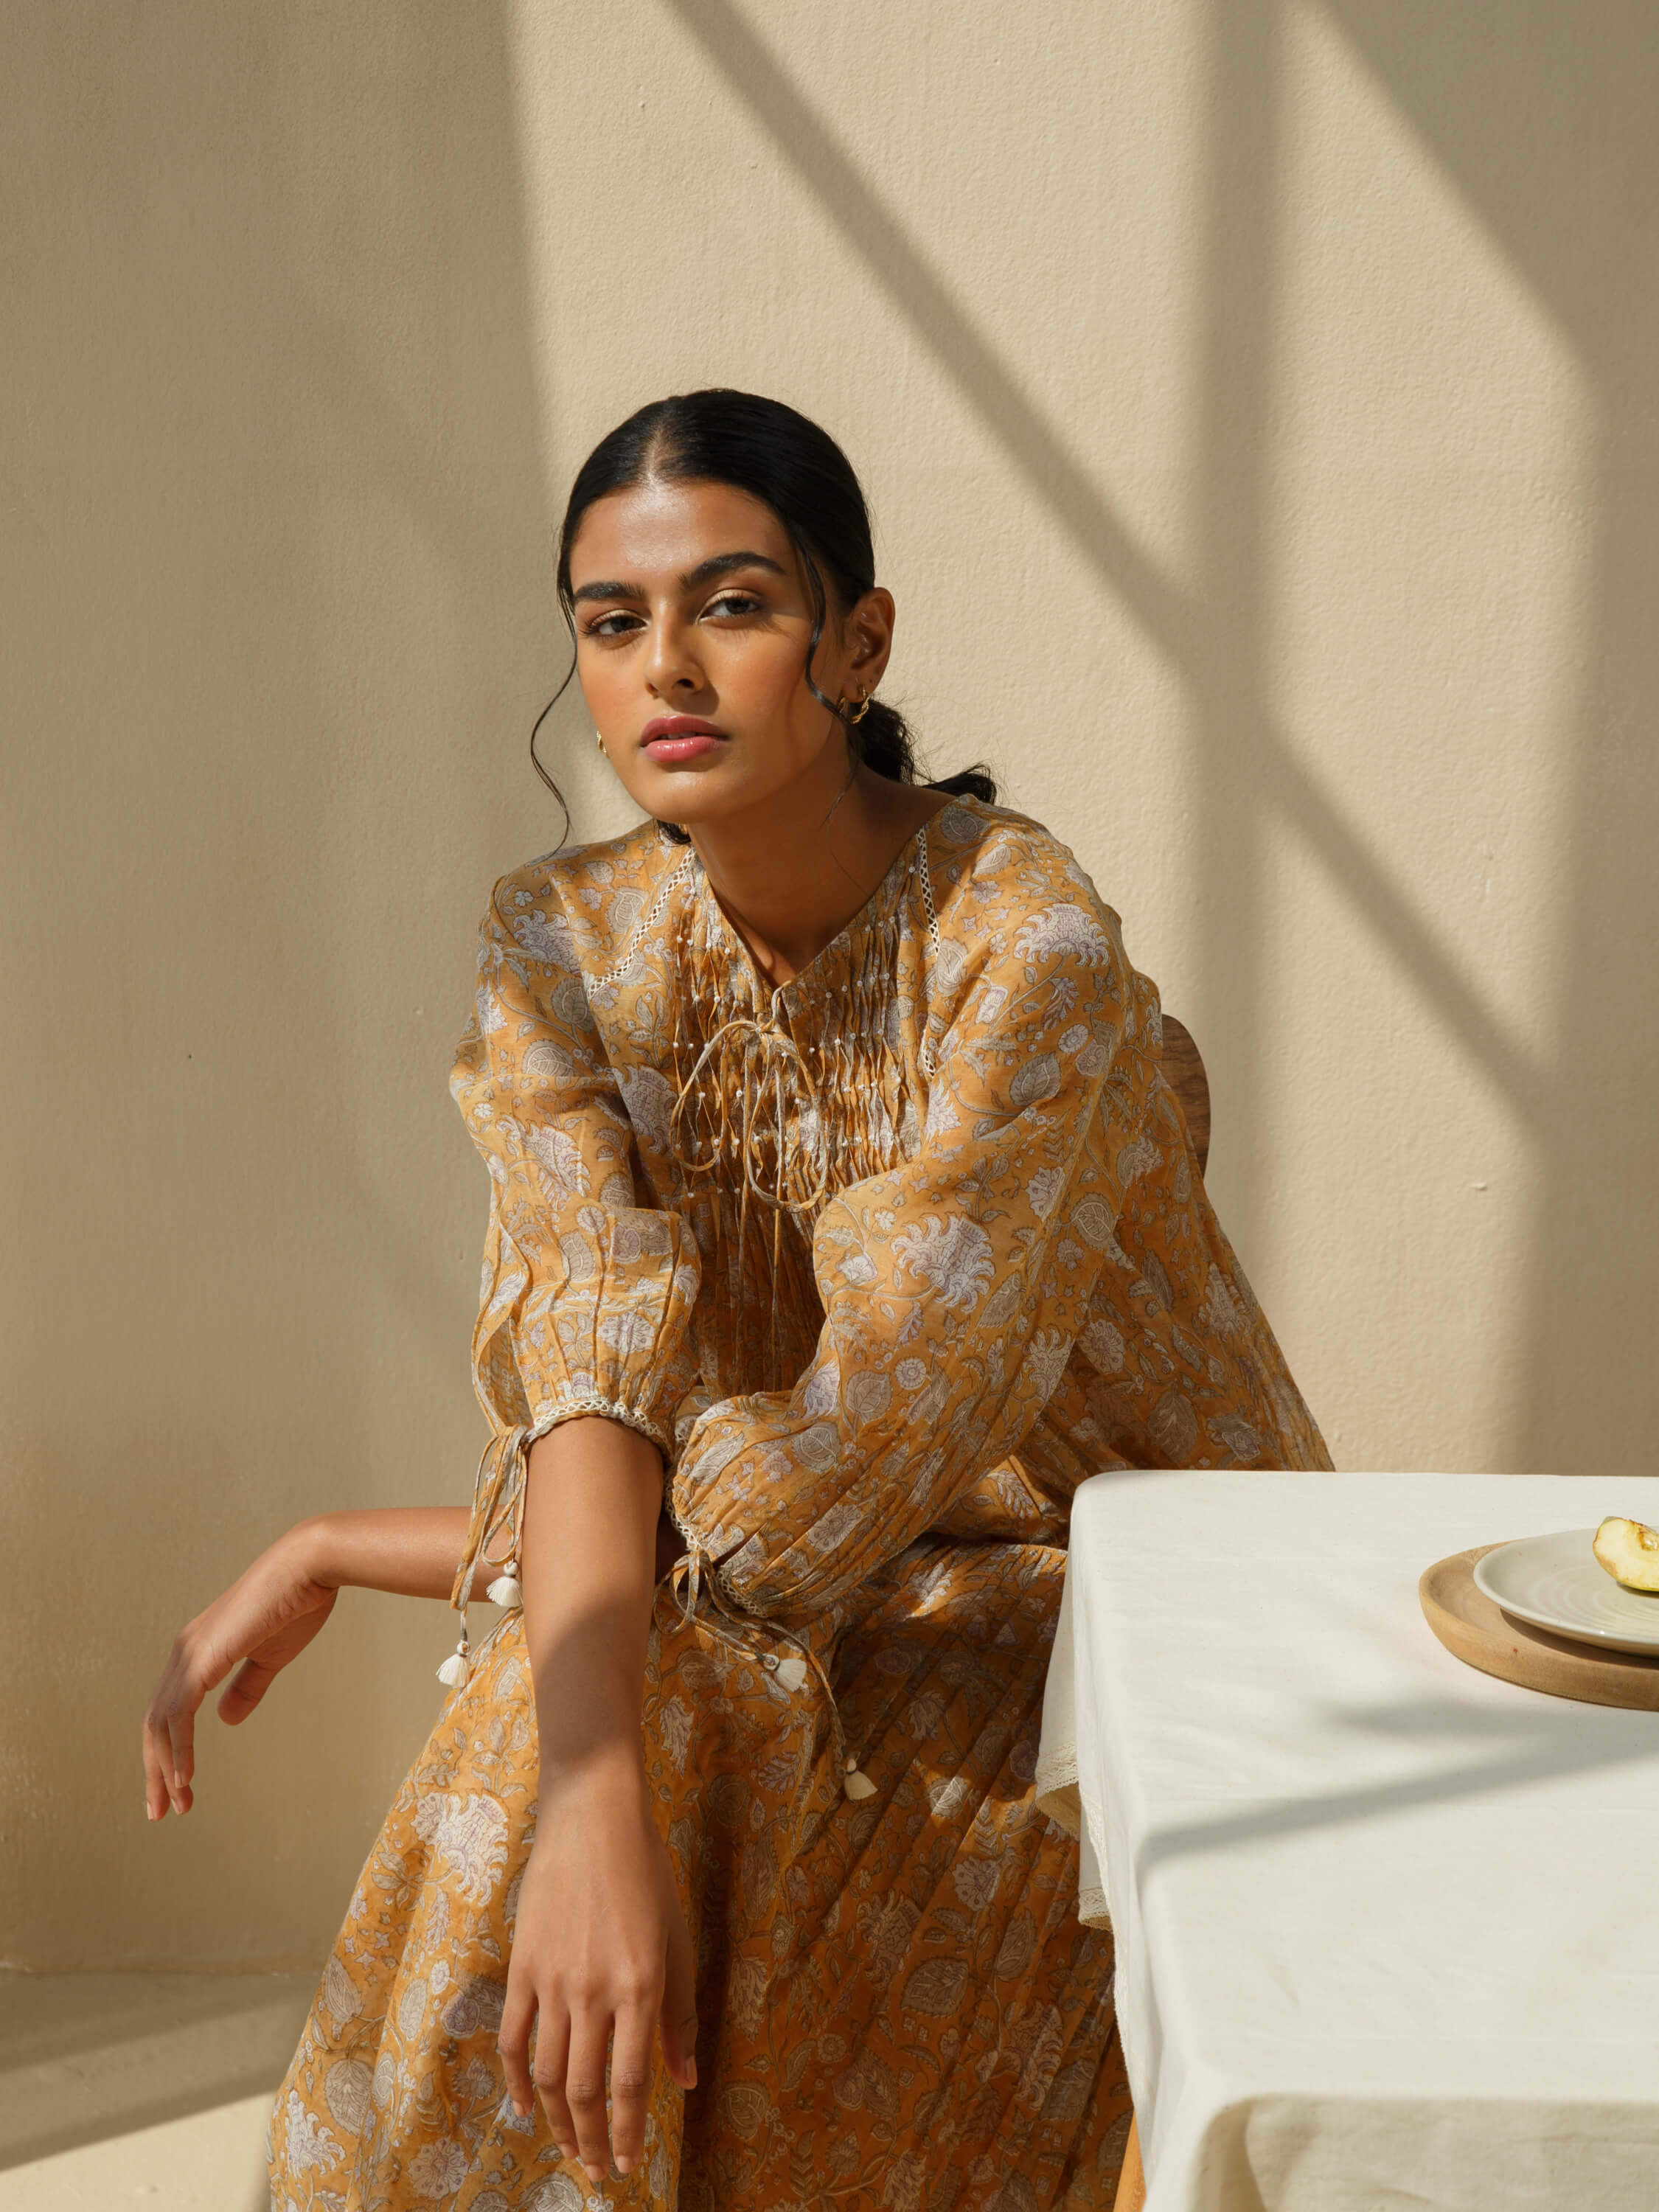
(1629, 1550)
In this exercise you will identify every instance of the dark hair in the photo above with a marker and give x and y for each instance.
(777, 456)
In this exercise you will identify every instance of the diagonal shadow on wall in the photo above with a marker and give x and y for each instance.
(1185, 628)
(1540, 126)
(1545, 116)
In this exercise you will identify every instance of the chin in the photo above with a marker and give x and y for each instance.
(690, 801)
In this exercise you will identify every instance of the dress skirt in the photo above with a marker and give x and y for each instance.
(898, 2005)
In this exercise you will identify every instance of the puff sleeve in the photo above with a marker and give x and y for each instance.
(952, 1286)
(586, 1294)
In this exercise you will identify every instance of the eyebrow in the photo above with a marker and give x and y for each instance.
(718, 564)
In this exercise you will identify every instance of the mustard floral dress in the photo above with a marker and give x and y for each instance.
(887, 1261)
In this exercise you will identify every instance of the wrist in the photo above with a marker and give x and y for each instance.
(609, 1777)
(308, 1550)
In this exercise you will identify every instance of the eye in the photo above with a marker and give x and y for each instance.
(735, 603)
(608, 625)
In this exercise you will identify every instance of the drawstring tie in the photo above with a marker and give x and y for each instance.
(757, 1069)
(768, 1098)
(498, 1503)
(761, 1097)
(789, 1673)
(498, 1494)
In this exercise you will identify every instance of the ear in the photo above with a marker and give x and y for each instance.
(869, 634)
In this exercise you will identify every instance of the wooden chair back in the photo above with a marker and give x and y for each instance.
(1183, 1070)
(1132, 2180)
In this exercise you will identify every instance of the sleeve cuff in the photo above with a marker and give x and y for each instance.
(575, 1405)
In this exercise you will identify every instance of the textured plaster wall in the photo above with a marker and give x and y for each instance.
(1255, 400)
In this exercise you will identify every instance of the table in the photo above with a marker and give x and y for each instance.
(1387, 1929)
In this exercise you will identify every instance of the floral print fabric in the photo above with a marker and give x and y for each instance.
(887, 1262)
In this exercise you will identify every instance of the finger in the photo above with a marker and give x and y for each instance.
(513, 2042)
(584, 2088)
(679, 2006)
(631, 2083)
(162, 1747)
(245, 1689)
(155, 1788)
(181, 1739)
(552, 2056)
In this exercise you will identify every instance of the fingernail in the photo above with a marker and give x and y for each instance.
(691, 2068)
(624, 2165)
(522, 2111)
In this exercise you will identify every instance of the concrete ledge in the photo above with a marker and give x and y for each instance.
(115, 2087)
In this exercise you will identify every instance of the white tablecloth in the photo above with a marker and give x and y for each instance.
(1387, 1929)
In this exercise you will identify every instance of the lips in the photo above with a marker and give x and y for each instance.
(679, 726)
(673, 739)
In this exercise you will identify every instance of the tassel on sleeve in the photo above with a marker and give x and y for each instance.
(498, 1496)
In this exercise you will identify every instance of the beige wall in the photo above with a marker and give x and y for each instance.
(1255, 401)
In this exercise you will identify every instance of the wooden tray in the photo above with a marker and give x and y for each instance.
(1474, 1630)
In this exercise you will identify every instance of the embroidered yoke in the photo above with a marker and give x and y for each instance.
(885, 1261)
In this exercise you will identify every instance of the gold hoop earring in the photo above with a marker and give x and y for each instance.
(598, 741)
(858, 713)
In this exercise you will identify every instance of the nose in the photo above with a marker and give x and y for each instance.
(674, 670)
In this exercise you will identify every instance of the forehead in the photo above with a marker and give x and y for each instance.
(657, 529)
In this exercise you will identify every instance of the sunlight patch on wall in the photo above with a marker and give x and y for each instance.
(1432, 502)
(1432, 512)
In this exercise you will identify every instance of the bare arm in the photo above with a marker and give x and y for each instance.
(601, 1958)
(411, 1550)
(272, 1610)
(588, 1572)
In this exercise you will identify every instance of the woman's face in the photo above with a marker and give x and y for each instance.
(693, 620)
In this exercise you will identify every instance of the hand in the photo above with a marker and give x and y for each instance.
(601, 1960)
(266, 1618)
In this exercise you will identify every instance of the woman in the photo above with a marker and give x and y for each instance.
(840, 1213)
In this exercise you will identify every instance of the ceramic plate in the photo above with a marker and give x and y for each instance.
(1555, 1582)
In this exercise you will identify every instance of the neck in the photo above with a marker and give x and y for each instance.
(792, 874)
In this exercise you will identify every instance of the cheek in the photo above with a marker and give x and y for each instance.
(612, 695)
(765, 687)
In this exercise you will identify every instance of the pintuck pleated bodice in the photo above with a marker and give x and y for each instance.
(784, 1098)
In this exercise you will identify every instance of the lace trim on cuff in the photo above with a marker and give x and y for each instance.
(571, 1405)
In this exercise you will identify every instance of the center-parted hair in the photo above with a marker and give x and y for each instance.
(785, 460)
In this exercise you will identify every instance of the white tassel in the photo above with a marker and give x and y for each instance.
(506, 1589)
(791, 1673)
(855, 1784)
(458, 1667)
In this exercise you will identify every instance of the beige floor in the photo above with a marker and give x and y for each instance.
(123, 2088)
